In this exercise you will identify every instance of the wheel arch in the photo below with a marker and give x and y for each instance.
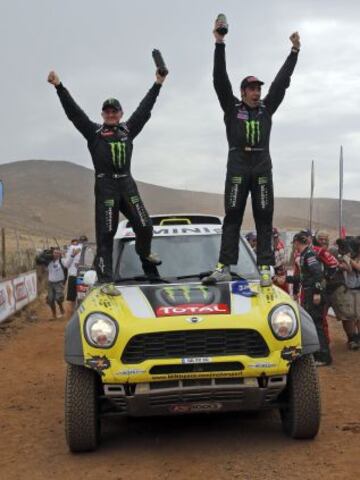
(309, 336)
(74, 353)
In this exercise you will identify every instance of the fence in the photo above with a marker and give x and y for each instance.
(19, 249)
(17, 292)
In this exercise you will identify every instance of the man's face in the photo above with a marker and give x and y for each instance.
(299, 246)
(252, 242)
(323, 241)
(251, 94)
(111, 116)
(56, 254)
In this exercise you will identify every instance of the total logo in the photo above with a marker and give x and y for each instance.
(193, 309)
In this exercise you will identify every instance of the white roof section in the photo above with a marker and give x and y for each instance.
(177, 224)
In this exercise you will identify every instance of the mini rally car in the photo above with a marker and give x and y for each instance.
(165, 344)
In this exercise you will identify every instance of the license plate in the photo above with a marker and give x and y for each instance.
(195, 407)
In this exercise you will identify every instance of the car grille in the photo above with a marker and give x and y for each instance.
(199, 343)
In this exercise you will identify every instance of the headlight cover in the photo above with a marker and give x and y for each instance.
(283, 322)
(100, 330)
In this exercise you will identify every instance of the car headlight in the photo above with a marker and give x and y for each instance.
(100, 330)
(283, 322)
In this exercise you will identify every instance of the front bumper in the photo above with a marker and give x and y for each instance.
(193, 396)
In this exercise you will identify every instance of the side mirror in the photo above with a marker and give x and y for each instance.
(90, 278)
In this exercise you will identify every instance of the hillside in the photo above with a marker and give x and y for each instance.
(56, 198)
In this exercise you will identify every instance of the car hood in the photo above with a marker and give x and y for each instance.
(153, 301)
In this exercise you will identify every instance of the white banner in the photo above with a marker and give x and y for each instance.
(17, 292)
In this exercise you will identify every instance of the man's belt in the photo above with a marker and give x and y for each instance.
(111, 175)
(247, 149)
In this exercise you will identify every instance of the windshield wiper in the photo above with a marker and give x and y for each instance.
(201, 275)
(142, 278)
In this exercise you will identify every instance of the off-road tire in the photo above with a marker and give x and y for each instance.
(301, 416)
(82, 423)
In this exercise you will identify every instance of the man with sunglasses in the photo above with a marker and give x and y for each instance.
(248, 124)
(111, 146)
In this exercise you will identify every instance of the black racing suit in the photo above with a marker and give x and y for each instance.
(115, 189)
(311, 278)
(249, 163)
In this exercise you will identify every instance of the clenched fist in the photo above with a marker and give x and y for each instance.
(53, 78)
(295, 40)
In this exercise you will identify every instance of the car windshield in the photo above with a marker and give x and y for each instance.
(184, 255)
(88, 255)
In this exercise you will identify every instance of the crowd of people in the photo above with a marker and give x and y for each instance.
(321, 276)
(62, 265)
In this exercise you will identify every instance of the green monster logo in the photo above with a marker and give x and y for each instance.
(252, 131)
(118, 153)
(188, 293)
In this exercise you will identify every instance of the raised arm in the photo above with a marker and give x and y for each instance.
(74, 113)
(282, 80)
(143, 112)
(222, 83)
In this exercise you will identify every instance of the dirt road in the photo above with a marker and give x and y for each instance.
(233, 446)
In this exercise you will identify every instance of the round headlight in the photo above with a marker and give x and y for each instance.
(100, 330)
(283, 322)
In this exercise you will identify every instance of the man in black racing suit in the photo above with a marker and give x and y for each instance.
(312, 282)
(111, 146)
(248, 124)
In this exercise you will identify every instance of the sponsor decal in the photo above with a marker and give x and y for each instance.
(243, 115)
(196, 360)
(195, 407)
(2, 300)
(291, 353)
(107, 133)
(98, 363)
(217, 308)
(241, 287)
(194, 376)
(118, 153)
(131, 371)
(188, 300)
(20, 291)
(262, 365)
(252, 131)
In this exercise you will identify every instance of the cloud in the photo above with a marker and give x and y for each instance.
(104, 49)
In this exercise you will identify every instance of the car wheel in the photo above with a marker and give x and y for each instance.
(82, 422)
(301, 415)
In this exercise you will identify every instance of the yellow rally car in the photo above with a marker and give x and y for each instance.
(164, 344)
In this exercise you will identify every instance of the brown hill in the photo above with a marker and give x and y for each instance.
(56, 198)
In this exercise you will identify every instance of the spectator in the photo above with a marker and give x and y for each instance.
(56, 281)
(71, 262)
(280, 261)
(346, 300)
(311, 278)
(252, 239)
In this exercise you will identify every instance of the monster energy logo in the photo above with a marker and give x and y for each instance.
(263, 180)
(252, 131)
(109, 203)
(135, 199)
(236, 180)
(186, 292)
(118, 153)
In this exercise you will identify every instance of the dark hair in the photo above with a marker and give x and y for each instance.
(301, 237)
